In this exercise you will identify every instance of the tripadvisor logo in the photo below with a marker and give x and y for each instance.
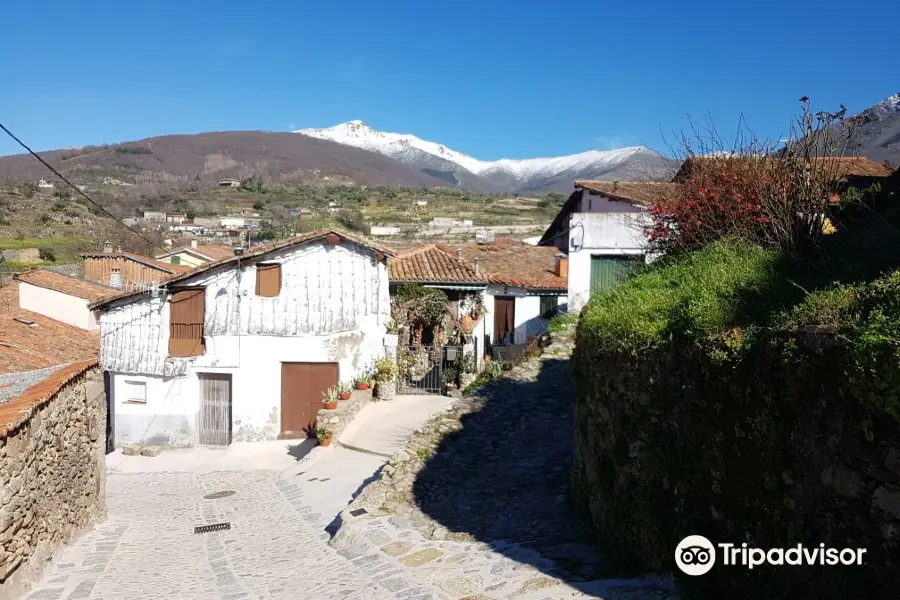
(696, 555)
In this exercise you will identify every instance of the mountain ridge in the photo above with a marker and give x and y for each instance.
(543, 174)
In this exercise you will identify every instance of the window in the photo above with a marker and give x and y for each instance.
(176, 260)
(548, 307)
(136, 392)
(186, 311)
(268, 279)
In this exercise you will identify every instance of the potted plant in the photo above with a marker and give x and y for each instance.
(467, 323)
(386, 376)
(344, 390)
(450, 376)
(324, 436)
(330, 398)
(362, 382)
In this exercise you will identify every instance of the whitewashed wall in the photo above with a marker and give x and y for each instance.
(325, 289)
(527, 312)
(57, 305)
(332, 308)
(601, 233)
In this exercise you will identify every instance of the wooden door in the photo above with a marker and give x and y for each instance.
(504, 319)
(215, 409)
(302, 385)
(608, 271)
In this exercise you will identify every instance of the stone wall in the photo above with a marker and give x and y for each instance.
(338, 419)
(52, 470)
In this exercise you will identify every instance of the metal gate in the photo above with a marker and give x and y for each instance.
(215, 409)
(422, 367)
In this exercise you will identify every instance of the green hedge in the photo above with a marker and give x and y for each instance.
(716, 396)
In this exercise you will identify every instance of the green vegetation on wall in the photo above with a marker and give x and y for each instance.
(721, 394)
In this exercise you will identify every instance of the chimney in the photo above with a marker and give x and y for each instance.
(115, 278)
(562, 265)
(459, 254)
(194, 244)
(118, 248)
(107, 247)
(477, 270)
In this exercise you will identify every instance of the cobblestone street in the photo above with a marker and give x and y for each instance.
(147, 547)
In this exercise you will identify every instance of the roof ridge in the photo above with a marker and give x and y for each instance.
(415, 250)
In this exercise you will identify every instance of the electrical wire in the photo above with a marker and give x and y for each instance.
(77, 189)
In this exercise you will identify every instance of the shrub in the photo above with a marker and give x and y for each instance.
(46, 254)
(709, 401)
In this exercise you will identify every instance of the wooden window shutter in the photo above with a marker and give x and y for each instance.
(186, 313)
(268, 279)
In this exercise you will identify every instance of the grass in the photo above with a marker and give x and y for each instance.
(64, 248)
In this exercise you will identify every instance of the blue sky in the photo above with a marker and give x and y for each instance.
(492, 79)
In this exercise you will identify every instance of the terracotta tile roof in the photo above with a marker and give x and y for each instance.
(210, 252)
(512, 262)
(46, 342)
(18, 410)
(430, 264)
(846, 166)
(146, 260)
(640, 193)
(260, 251)
(72, 286)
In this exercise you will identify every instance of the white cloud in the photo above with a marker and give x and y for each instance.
(613, 142)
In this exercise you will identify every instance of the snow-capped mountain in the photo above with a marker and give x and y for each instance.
(513, 175)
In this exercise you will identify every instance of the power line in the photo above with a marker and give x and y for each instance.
(77, 189)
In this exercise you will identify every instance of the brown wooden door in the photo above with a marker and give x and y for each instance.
(302, 385)
(504, 318)
(215, 409)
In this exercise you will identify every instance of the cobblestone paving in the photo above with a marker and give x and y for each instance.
(476, 501)
(147, 547)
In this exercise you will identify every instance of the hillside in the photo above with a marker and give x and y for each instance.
(208, 157)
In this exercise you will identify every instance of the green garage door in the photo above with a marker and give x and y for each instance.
(607, 271)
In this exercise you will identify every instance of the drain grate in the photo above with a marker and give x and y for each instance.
(222, 494)
(213, 527)
(358, 511)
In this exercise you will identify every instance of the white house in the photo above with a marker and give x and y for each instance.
(243, 348)
(61, 297)
(602, 229)
(521, 287)
(45, 185)
(196, 254)
(232, 222)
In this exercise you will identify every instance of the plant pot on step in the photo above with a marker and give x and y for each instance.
(324, 436)
(387, 390)
(344, 395)
(330, 405)
(362, 386)
(325, 442)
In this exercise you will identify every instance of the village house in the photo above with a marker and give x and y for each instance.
(61, 297)
(154, 216)
(124, 270)
(527, 287)
(232, 222)
(229, 182)
(175, 219)
(601, 230)
(242, 348)
(196, 254)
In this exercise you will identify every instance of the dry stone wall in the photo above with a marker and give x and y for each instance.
(52, 472)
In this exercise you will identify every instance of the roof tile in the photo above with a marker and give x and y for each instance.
(72, 286)
(45, 343)
(433, 265)
(515, 263)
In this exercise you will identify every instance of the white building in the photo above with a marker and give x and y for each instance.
(521, 287)
(602, 229)
(242, 349)
(45, 185)
(232, 222)
(154, 216)
(61, 297)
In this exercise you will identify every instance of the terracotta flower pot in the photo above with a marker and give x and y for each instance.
(330, 405)
(344, 395)
(467, 323)
(362, 386)
(325, 442)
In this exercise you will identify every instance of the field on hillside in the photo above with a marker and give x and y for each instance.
(64, 223)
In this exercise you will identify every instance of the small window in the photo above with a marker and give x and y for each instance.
(135, 392)
(268, 279)
(176, 260)
(548, 307)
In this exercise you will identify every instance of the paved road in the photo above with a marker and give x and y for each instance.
(275, 548)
